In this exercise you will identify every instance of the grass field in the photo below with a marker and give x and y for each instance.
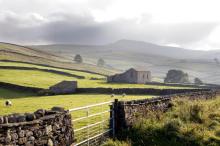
(25, 103)
(31, 103)
(43, 79)
(87, 75)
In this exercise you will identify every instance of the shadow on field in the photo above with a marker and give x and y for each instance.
(10, 94)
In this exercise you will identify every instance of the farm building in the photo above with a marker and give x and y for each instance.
(64, 87)
(131, 76)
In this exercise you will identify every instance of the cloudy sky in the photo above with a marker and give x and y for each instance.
(192, 24)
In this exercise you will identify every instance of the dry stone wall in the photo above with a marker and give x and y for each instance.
(41, 128)
(138, 91)
(128, 112)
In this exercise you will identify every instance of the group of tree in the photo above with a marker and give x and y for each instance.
(78, 59)
(178, 76)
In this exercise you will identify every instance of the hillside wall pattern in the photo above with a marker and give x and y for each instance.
(41, 128)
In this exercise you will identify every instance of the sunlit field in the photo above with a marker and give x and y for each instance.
(42, 79)
(32, 103)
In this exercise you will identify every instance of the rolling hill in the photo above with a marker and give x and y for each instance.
(19, 53)
(124, 54)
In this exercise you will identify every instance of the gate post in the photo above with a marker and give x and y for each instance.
(113, 115)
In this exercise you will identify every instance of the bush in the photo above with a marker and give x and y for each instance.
(78, 58)
(176, 76)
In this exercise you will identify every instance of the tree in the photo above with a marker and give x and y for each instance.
(176, 76)
(216, 60)
(197, 81)
(78, 58)
(100, 62)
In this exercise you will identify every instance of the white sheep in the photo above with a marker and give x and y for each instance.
(8, 103)
(123, 95)
(113, 95)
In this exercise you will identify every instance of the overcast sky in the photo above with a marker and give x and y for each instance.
(192, 24)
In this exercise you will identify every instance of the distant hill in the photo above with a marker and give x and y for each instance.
(124, 54)
(19, 53)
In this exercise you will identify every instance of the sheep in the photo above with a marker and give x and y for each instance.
(123, 95)
(8, 103)
(113, 95)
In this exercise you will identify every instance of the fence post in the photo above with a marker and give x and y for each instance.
(115, 118)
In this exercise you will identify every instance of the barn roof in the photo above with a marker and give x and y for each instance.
(138, 69)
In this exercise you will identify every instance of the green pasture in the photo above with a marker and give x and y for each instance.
(80, 73)
(32, 103)
(29, 103)
(41, 79)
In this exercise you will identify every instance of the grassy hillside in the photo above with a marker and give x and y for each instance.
(29, 55)
(158, 59)
(41, 79)
(188, 123)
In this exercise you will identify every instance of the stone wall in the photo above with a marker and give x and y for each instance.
(47, 65)
(128, 112)
(137, 91)
(45, 70)
(19, 87)
(190, 85)
(43, 127)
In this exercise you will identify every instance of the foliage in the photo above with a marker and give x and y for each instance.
(176, 76)
(78, 58)
(100, 62)
(198, 81)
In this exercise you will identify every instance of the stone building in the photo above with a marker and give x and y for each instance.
(131, 76)
(64, 87)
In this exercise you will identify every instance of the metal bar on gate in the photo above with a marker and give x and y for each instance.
(92, 115)
(89, 126)
(88, 133)
(89, 106)
(93, 137)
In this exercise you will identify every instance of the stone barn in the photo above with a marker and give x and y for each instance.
(64, 87)
(131, 76)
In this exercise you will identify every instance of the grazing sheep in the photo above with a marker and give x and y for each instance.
(123, 95)
(8, 103)
(113, 95)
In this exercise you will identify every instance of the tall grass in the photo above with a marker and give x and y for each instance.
(188, 123)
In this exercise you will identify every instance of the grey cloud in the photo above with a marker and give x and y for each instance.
(69, 28)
